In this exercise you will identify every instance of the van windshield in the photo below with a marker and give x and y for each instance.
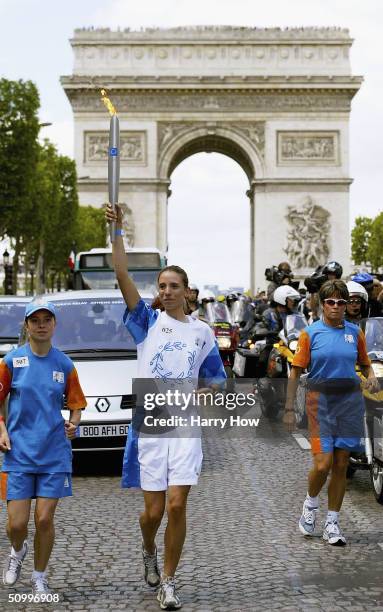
(11, 319)
(92, 323)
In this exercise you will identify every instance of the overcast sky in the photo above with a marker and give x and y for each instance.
(208, 211)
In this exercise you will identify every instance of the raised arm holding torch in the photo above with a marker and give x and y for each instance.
(113, 157)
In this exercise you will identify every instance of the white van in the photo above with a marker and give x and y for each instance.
(90, 330)
(12, 312)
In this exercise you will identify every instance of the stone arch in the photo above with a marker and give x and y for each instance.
(243, 143)
(178, 142)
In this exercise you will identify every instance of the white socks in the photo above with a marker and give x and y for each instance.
(37, 575)
(312, 502)
(18, 553)
(332, 516)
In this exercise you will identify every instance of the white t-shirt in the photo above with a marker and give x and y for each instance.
(171, 349)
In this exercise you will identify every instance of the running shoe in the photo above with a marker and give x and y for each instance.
(307, 521)
(40, 586)
(167, 596)
(151, 573)
(12, 569)
(333, 535)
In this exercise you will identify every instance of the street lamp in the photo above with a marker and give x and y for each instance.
(8, 274)
(32, 272)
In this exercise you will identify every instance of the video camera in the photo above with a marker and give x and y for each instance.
(277, 276)
(316, 280)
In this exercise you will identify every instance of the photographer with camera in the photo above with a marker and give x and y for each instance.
(278, 275)
(332, 270)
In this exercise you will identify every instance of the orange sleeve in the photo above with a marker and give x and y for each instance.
(302, 355)
(5, 381)
(73, 392)
(363, 358)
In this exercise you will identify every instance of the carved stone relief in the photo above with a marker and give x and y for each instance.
(255, 131)
(307, 235)
(129, 101)
(132, 147)
(314, 147)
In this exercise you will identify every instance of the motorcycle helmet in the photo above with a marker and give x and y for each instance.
(365, 279)
(285, 291)
(333, 267)
(207, 296)
(194, 287)
(357, 289)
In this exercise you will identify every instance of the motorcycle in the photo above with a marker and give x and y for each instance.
(216, 313)
(272, 388)
(372, 458)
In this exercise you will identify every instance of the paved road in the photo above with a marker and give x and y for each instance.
(243, 550)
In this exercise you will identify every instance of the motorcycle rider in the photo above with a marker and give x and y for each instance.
(285, 301)
(192, 301)
(375, 308)
(357, 305)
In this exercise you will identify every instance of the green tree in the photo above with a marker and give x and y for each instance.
(375, 251)
(19, 128)
(90, 228)
(360, 238)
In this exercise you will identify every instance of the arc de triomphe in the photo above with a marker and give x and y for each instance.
(276, 101)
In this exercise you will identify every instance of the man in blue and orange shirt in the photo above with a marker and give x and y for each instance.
(330, 349)
(36, 440)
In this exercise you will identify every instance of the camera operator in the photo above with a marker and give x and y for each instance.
(281, 275)
(332, 270)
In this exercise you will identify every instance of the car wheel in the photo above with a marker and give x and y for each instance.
(376, 473)
(350, 471)
(270, 406)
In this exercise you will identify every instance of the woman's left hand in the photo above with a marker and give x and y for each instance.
(371, 384)
(70, 430)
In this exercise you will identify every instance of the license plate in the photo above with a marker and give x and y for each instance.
(102, 431)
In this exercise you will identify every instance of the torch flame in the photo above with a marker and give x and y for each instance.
(108, 103)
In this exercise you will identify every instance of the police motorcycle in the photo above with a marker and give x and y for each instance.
(372, 458)
(247, 361)
(215, 312)
(272, 386)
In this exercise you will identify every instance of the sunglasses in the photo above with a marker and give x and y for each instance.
(332, 302)
(355, 301)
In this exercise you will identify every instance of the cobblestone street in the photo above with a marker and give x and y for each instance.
(243, 550)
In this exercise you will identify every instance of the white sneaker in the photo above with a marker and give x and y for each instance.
(12, 569)
(167, 596)
(333, 535)
(40, 586)
(307, 521)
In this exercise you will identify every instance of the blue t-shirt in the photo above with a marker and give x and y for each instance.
(35, 425)
(331, 352)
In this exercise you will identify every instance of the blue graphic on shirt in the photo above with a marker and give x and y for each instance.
(158, 362)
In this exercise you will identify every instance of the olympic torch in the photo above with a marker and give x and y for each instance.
(113, 157)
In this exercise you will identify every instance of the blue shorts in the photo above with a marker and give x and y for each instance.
(25, 485)
(335, 421)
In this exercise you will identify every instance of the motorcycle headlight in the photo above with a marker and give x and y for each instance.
(378, 369)
(293, 345)
(224, 342)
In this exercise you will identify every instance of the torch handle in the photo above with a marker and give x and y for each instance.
(114, 167)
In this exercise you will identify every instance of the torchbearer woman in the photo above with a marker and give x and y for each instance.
(36, 440)
(170, 345)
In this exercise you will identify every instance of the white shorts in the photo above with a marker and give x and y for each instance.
(165, 462)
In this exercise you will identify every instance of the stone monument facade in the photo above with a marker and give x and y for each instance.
(276, 101)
